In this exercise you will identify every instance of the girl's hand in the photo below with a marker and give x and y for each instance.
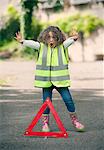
(74, 35)
(18, 37)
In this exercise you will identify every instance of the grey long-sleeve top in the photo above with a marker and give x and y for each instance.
(36, 44)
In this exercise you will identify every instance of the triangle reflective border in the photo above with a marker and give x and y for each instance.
(61, 133)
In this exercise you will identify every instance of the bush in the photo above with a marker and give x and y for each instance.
(36, 28)
(8, 32)
(82, 23)
(11, 26)
(9, 29)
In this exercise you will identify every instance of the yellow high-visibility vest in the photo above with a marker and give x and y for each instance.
(52, 67)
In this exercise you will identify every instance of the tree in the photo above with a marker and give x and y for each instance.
(26, 17)
(67, 4)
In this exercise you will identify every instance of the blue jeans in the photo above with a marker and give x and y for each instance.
(65, 94)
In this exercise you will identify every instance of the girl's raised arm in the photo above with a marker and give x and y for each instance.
(27, 43)
(70, 40)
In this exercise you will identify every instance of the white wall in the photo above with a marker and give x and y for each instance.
(92, 47)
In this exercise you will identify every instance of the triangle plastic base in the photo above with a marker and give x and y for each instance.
(61, 133)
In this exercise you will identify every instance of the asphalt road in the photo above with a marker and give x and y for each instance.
(19, 106)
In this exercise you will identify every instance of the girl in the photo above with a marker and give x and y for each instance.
(52, 69)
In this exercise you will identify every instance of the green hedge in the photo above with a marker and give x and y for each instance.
(82, 23)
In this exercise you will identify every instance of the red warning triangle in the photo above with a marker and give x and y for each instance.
(61, 133)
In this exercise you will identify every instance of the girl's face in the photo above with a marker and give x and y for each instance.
(52, 39)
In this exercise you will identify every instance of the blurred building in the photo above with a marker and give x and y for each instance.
(94, 45)
(48, 6)
(4, 5)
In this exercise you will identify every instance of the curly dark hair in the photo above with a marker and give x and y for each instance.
(60, 37)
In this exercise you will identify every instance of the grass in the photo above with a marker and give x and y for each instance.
(22, 52)
(9, 46)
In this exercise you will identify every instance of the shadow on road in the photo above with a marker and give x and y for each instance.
(18, 108)
(26, 94)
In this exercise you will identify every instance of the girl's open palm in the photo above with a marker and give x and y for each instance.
(18, 37)
(74, 34)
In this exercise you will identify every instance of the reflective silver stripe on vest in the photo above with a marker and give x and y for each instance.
(45, 50)
(58, 78)
(53, 68)
(60, 61)
(44, 55)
